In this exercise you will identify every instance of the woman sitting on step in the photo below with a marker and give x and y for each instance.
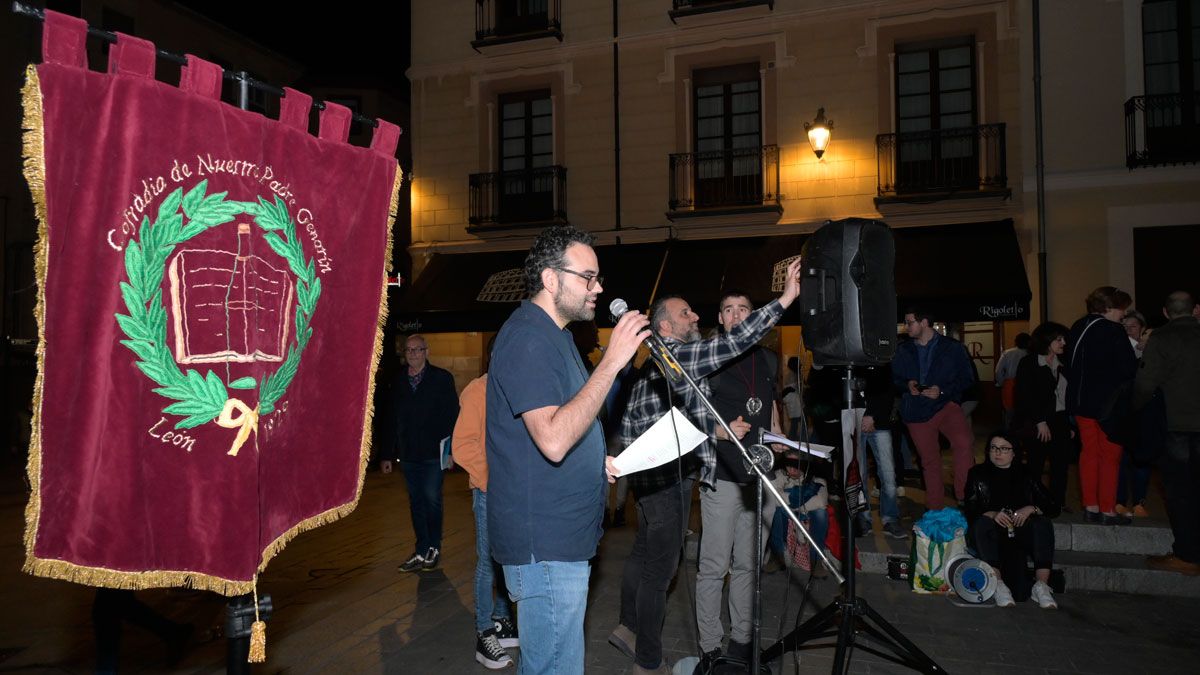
(1008, 515)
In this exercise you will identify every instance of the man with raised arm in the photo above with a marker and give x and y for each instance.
(662, 502)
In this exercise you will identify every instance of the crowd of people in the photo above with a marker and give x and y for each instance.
(538, 433)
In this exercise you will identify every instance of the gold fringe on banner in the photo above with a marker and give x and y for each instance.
(34, 153)
(35, 174)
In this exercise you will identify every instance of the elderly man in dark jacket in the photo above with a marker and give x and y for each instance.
(424, 408)
(1171, 363)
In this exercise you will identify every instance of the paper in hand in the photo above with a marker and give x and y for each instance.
(814, 449)
(657, 446)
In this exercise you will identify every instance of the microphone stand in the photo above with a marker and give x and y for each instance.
(848, 614)
(666, 361)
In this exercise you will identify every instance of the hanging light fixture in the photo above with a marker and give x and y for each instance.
(820, 130)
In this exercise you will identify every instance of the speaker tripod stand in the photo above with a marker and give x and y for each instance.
(849, 617)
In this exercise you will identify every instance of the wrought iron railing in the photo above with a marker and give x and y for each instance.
(1162, 129)
(524, 197)
(686, 7)
(724, 178)
(501, 21)
(942, 161)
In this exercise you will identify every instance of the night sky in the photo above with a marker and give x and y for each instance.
(352, 38)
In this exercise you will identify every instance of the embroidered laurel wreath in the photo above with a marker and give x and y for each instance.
(203, 398)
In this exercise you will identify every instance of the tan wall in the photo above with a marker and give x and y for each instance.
(1091, 63)
(811, 56)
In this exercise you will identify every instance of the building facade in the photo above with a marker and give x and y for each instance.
(681, 124)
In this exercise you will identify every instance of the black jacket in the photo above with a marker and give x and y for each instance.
(1099, 366)
(979, 497)
(1033, 393)
(422, 418)
(1171, 363)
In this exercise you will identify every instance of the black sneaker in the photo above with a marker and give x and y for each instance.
(895, 530)
(506, 633)
(431, 558)
(489, 652)
(708, 661)
(739, 650)
(1092, 516)
(413, 564)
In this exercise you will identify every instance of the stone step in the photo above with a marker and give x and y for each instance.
(1119, 573)
(1093, 557)
(1140, 538)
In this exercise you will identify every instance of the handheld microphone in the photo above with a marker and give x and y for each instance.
(662, 356)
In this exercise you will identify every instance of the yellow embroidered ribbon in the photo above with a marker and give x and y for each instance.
(245, 422)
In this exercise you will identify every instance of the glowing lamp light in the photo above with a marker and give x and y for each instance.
(820, 130)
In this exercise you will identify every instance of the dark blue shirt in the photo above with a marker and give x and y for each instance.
(538, 509)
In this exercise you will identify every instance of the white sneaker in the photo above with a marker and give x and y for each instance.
(1003, 597)
(1043, 595)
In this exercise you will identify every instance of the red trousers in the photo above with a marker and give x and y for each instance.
(1099, 464)
(951, 423)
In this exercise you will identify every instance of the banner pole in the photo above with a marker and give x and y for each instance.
(242, 77)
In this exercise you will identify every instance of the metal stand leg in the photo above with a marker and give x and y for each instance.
(848, 615)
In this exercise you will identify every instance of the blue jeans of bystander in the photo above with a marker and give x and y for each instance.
(880, 442)
(424, 481)
(487, 607)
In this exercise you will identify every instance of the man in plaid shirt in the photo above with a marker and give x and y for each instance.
(662, 511)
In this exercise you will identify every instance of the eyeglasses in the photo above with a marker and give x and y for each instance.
(591, 279)
(415, 350)
(1002, 449)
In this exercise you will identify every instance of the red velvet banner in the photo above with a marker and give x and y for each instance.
(211, 291)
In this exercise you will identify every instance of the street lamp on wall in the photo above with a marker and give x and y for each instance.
(820, 130)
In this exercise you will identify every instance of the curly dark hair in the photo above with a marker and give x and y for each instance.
(1044, 334)
(549, 251)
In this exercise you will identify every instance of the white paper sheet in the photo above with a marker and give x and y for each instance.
(814, 449)
(657, 446)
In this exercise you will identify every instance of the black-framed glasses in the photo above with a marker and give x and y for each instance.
(1001, 448)
(415, 350)
(591, 279)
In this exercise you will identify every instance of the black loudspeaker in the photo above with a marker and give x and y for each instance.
(848, 294)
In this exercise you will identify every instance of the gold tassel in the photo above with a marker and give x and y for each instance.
(258, 633)
(258, 642)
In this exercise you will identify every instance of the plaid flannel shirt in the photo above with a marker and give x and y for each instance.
(648, 399)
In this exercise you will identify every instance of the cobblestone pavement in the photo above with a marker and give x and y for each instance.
(342, 607)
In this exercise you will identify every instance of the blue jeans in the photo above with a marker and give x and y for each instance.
(880, 442)
(551, 598)
(486, 607)
(816, 520)
(425, 501)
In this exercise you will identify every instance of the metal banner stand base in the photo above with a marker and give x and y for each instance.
(849, 616)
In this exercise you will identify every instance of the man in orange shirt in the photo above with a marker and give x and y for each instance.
(494, 627)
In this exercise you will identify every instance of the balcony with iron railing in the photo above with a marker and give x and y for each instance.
(739, 180)
(500, 22)
(942, 164)
(1162, 129)
(523, 198)
(682, 8)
